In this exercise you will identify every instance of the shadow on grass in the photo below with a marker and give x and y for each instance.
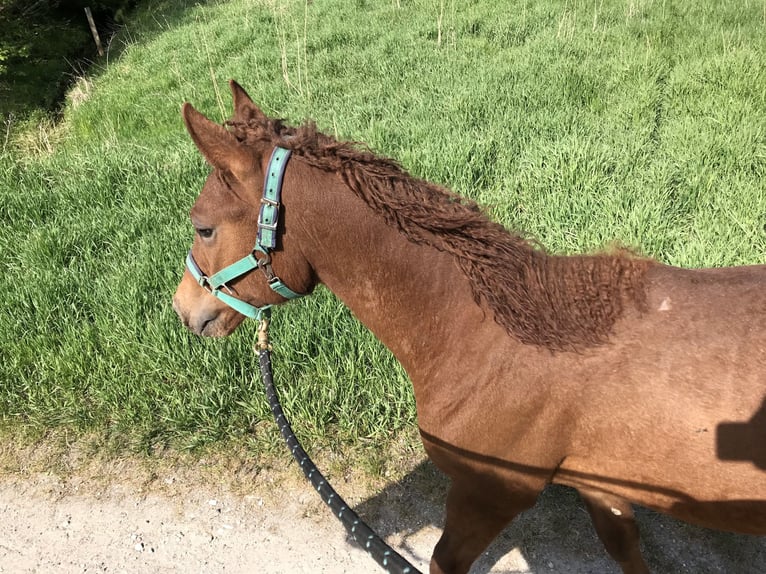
(556, 535)
(44, 50)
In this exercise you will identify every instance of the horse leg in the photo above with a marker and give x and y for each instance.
(613, 518)
(475, 516)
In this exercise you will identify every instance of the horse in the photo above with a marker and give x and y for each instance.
(632, 381)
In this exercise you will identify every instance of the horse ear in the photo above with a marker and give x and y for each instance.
(220, 148)
(244, 108)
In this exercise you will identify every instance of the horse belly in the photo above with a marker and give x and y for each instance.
(666, 443)
(672, 415)
(723, 495)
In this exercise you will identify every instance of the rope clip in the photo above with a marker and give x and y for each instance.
(263, 336)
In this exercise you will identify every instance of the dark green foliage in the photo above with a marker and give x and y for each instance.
(45, 45)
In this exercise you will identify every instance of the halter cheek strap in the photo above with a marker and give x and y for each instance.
(265, 243)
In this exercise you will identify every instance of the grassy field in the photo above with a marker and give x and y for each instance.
(580, 123)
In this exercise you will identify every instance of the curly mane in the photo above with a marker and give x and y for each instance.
(558, 302)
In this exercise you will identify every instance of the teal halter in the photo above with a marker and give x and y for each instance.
(266, 241)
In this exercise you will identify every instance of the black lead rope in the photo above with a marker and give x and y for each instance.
(383, 554)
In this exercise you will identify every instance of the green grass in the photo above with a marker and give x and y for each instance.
(582, 124)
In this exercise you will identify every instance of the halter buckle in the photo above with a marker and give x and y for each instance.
(269, 226)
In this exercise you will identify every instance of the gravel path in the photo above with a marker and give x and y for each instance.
(126, 530)
(133, 520)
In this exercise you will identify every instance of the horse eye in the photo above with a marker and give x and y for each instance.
(205, 232)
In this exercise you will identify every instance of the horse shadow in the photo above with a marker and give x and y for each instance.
(743, 441)
(556, 535)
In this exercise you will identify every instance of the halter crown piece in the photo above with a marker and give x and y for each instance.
(266, 241)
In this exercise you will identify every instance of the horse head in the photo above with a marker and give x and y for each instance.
(231, 272)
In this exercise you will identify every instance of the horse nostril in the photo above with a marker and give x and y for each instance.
(197, 319)
(202, 327)
(202, 321)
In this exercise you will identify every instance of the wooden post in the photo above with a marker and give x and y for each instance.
(94, 31)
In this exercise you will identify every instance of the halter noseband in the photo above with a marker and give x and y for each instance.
(266, 241)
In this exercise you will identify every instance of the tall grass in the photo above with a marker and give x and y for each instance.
(580, 123)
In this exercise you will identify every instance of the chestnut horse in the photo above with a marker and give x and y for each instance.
(629, 380)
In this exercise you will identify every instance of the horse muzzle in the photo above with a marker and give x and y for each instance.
(205, 316)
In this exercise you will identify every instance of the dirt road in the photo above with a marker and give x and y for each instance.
(125, 517)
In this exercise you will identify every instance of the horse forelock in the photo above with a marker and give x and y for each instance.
(558, 302)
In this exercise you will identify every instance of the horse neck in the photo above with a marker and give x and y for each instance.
(407, 294)
(562, 303)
